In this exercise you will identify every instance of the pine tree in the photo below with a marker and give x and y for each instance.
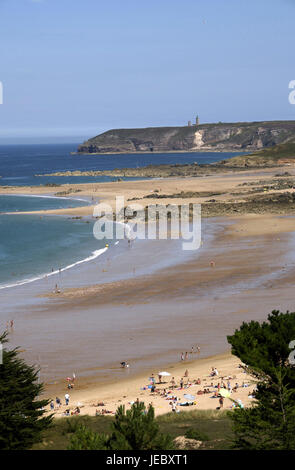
(134, 429)
(21, 413)
(270, 422)
(86, 439)
(137, 429)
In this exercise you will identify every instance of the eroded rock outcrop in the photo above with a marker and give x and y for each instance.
(205, 137)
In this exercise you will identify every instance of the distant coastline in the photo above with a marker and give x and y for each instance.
(215, 137)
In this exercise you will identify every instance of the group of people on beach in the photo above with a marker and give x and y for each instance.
(177, 391)
(185, 383)
(194, 349)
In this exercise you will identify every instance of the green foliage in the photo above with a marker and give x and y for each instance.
(214, 423)
(71, 426)
(134, 429)
(195, 434)
(21, 413)
(137, 429)
(86, 439)
(264, 348)
(276, 152)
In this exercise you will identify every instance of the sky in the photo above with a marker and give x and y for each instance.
(71, 69)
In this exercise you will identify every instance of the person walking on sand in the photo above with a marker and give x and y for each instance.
(172, 382)
(182, 357)
(67, 398)
(174, 407)
(181, 382)
(221, 402)
(56, 290)
(186, 373)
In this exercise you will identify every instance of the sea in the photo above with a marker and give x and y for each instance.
(33, 246)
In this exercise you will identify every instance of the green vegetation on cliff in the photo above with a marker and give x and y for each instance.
(279, 154)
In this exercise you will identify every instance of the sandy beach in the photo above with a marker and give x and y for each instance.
(149, 318)
(226, 184)
(99, 399)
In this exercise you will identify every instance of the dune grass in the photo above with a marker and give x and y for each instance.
(215, 424)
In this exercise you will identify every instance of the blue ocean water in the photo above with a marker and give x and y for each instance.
(20, 163)
(32, 247)
(19, 203)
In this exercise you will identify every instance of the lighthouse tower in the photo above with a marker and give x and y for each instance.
(197, 120)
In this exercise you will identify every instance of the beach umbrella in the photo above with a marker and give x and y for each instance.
(189, 397)
(164, 374)
(224, 392)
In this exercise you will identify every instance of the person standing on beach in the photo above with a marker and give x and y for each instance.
(67, 398)
(221, 402)
(174, 407)
(182, 357)
(172, 382)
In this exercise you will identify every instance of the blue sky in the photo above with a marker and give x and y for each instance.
(75, 68)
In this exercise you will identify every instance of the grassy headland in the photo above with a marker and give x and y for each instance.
(271, 156)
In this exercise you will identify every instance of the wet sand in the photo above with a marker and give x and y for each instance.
(205, 305)
(149, 319)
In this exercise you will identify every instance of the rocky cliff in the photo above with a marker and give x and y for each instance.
(205, 137)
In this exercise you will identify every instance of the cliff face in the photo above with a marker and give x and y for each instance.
(205, 137)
